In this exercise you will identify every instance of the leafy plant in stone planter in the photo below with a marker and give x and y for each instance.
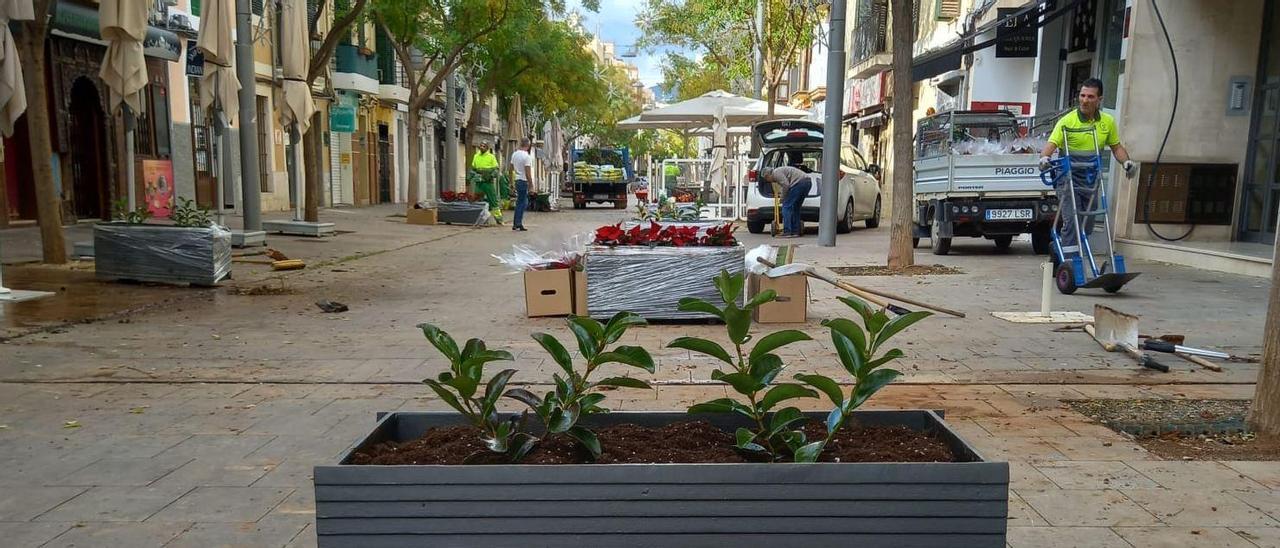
(575, 395)
(751, 374)
(459, 387)
(857, 348)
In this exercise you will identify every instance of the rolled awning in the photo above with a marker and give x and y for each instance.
(948, 57)
(78, 22)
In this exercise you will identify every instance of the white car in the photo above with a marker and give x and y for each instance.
(798, 143)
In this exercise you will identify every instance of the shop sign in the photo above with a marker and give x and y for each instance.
(1016, 37)
(195, 59)
(867, 92)
(342, 118)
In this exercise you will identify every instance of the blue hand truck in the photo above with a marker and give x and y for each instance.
(1075, 265)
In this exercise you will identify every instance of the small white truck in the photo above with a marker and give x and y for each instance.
(976, 175)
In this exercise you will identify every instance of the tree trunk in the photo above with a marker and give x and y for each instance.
(469, 147)
(311, 154)
(48, 202)
(1264, 416)
(414, 147)
(772, 97)
(901, 252)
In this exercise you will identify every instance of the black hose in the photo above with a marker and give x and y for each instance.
(1155, 169)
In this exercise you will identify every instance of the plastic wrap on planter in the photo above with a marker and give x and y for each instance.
(650, 281)
(160, 253)
(462, 213)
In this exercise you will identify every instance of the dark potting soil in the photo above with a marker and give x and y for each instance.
(679, 442)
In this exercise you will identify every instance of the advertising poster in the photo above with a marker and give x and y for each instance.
(157, 185)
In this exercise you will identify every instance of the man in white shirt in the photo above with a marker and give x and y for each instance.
(522, 163)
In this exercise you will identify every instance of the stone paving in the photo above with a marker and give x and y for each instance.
(195, 420)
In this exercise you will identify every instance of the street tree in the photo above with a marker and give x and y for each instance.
(345, 15)
(901, 251)
(598, 119)
(430, 38)
(32, 37)
(693, 77)
(725, 32)
(1264, 415)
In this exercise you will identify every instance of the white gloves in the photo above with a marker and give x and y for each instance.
(1044, 163)
(1130, 168)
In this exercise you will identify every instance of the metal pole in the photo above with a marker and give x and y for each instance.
(757, 64)
(450, 135)
(294, 180)
(225, 166)
(130, 185)
(831, 138)
(250, 199)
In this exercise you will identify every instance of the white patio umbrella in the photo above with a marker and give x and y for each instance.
(219, 84)
(123, 25)
(13, 93)
(718, 143)
(738, 110)
(297, 108)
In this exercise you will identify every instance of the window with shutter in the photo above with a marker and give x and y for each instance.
(257, 6)
(947, 10)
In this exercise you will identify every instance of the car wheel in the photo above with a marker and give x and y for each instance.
(1040, 241)
(846, 224)
(755, 227)
(874, 221)
(1003, 242)
(939, 245)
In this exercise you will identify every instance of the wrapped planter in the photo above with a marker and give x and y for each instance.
(650, 281)
(945, 504)
(461, 213)
(161, 253)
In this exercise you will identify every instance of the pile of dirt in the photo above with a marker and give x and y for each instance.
(678, 442)
(1207, 429)
(882, 270)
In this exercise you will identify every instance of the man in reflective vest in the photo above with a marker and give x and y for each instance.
(485, 166)
(1084, 148)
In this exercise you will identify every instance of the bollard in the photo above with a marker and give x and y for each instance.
(1046, 288)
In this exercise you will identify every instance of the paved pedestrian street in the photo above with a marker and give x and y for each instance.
(160, 416)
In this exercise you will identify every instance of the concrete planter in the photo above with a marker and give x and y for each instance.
(952, 505)
(161, 253)
(650, 281)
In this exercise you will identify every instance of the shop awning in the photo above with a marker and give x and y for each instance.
(79, 22)
(948, 58)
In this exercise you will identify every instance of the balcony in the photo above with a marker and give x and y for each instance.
(355, 71)
(869, 52)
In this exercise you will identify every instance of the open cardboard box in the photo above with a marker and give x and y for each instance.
(415, 216)
(792, 304)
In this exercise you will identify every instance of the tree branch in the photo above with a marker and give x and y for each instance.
(320, 60)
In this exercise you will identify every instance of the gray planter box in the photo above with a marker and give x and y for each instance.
(650, 281)
(461, 213)
(161, 253)
(951, 505)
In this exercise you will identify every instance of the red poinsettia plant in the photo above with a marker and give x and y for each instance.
(657, 235)
(450, 196)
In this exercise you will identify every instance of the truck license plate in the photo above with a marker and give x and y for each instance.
(600, 196)
(1010, 214)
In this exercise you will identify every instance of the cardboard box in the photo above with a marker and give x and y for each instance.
(548, 292)
(792, 304)
(415, 216)
(580, 293)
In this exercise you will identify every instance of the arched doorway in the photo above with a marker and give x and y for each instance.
(89, 171)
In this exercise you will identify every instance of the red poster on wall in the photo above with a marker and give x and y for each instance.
(157, 181)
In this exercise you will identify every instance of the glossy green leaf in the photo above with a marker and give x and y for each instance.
(623, 382)
(702, 346)
(828, 386)
(524, 396)
(850, 330)
(742, 383)
(782, 392)
(471, 348)
(810, 452)
(889, 356)
(762, 297)
(691, 304)
(634, 356)
(774, 341)
(835, 419)
(730, 286)
(744, 440)
(589, 333)
(849, 356)
(441, 340)
(590, 401)
(765, 368)
(783, 419)
(564, 391)
(873, 382)
(722, 405)
(619, 324)
(521, 445)
(562, 419)
(588, 440)
(473, 367)
(896, 325)
(793, 439)
(738, 323)
(446, 395)
(556, 350)
(875, 323)
(494, 389)
(860, 306)
(465, 385)
(498, 443)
